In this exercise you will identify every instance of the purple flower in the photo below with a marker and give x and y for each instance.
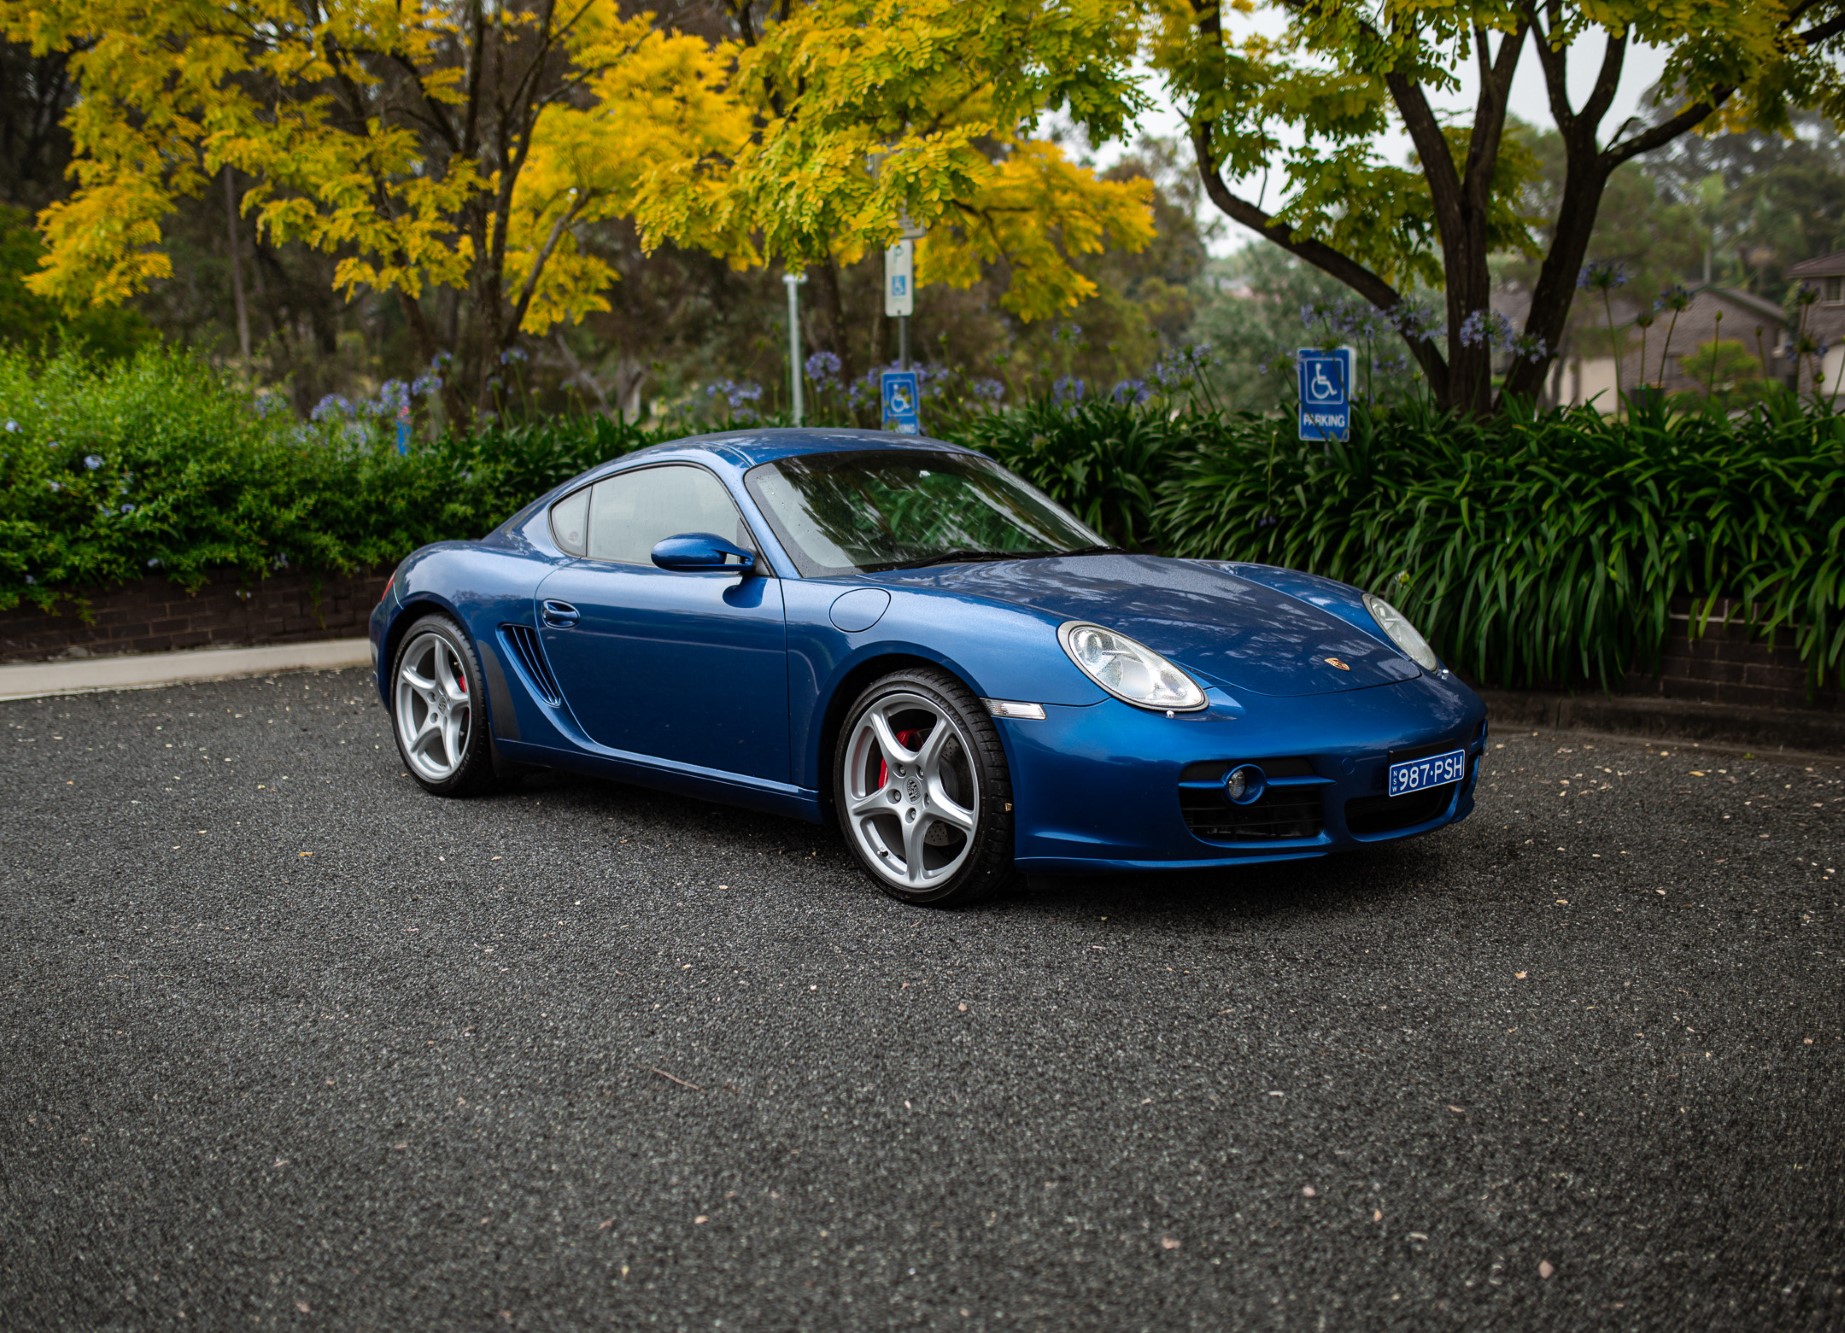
(988, 390)
(1485, 328)
(332, 408)
(1067, 389)
(55, 486)
(513, 356)
(1131, 392)
(92, 461)
(823, 367)
(393, 397)
(1601, 275)
(426, 384)
(11, 426)
(128, 509)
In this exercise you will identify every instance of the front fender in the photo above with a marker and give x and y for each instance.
(998, 651)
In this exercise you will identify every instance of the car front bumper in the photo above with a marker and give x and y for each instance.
(1114, 787)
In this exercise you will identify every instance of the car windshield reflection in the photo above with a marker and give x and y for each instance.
(859, 512)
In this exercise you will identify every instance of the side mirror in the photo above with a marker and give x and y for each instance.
(702, 550)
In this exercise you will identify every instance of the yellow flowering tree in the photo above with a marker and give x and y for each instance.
(455, 146)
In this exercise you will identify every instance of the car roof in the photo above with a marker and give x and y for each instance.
(744, 449)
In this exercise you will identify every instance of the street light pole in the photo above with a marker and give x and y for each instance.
(793, 282)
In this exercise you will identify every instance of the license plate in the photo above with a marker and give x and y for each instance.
(1438, 770)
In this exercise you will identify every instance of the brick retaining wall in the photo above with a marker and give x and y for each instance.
(1730, 663)
(153, 615)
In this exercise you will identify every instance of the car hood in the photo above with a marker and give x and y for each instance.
(1233, 632)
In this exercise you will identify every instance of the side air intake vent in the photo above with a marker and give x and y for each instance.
(522, 641)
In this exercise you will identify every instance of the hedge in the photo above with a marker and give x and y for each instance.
(1533, 548)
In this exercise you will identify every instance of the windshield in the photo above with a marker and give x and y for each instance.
(884, 509)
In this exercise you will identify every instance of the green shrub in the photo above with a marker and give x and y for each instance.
(1535, 548)
(1542, 549)
(1099, 458)
(112, 471)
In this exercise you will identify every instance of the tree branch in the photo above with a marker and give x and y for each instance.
(1665, 131)
(1556, 71)
(1601, 97)
(1322, 256)
(524, 302)
(1490, 112)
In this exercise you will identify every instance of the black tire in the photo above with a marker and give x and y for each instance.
(907, 790)
(450, 752)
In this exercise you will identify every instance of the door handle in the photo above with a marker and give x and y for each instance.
(560, 615)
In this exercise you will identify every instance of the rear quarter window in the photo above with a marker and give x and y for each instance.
(570, 522)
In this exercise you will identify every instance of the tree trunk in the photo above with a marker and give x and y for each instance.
(832, 305)
(1585, 176)
(237, 297)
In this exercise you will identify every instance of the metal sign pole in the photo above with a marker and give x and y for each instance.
(793, 282)
(903, 342)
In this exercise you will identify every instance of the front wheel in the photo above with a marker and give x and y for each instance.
(922, 791)
(435, 684)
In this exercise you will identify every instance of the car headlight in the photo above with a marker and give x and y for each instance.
(1402, 633)
(1130, 671)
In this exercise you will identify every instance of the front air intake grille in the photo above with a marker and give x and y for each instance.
(522, 642)
(1367, 816)
(1279, 813)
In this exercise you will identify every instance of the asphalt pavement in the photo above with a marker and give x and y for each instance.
(285, 1042)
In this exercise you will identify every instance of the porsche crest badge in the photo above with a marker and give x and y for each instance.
(1333, 661)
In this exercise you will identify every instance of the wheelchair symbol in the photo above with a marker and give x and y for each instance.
(1319, 388)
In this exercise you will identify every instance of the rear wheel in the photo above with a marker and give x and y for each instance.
(922, 791)
(441, 735)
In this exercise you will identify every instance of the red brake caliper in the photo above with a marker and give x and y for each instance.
(907, 739)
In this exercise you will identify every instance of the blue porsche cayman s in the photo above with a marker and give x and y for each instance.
(900, 635)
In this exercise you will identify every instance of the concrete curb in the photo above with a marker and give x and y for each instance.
(1761, 731)
(148, 671)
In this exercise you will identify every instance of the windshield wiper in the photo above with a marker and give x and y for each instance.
(955, 558)
(1081, 550)
(974, 557)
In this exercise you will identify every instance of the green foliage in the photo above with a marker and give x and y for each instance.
(1533, 549)
(31, 321)
(110, 472)
(1098, 458)
(1542, 549)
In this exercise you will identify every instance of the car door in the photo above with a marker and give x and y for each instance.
(686, 666)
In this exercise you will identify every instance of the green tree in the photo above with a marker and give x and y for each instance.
(1299, 116)
(30, 321)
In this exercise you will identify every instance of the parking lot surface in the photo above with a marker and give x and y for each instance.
(285, 1042)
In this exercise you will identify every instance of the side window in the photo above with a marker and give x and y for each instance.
(570, 522)
(631, 512)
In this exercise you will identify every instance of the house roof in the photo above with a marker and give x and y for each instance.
(1820, 266)
(1756, 305)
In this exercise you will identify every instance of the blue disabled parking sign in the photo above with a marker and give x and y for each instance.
(1325, 393)
(902, 402)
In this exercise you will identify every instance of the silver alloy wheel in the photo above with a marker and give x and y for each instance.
(911, 795)
(433, 708)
